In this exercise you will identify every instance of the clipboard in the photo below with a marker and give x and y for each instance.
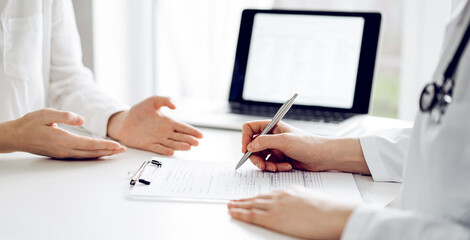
(179, 180)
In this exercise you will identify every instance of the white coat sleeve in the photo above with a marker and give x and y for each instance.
(71, 85)
(385, 153)
(390, 223)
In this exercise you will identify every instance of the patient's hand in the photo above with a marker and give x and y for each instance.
(296, 211)
(145, 127)
(37, 132)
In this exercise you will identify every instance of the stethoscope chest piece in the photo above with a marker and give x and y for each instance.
(435, 98)
(428, 97)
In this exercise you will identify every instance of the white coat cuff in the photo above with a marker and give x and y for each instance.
(370, 149)
(358, 222)
(97, 122)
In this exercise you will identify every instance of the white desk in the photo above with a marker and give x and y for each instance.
(51, 199)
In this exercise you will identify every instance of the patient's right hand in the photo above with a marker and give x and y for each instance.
(37, 132)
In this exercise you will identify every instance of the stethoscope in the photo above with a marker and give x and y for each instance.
(436, 96)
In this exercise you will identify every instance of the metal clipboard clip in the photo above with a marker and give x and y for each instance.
(138, 175)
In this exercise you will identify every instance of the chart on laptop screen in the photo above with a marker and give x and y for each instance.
(314, 56)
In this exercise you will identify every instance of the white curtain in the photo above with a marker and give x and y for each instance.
(195, 45)
(123, 48)
(177, 48)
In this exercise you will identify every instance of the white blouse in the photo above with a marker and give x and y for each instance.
(41, 64)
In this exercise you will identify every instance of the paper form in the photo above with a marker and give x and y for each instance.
(195, 180)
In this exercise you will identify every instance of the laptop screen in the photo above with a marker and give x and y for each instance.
(328, 58)
(303, 54)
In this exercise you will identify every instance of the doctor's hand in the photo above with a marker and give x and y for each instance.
(37, 132)
(295, 211)
(145, 127)
(288, 147)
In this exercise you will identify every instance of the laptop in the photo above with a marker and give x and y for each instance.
(328, 58)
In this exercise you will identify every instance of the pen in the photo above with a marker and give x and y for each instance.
(277, 117)
(139, 172)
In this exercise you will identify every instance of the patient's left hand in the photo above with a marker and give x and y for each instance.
(145, 127)
(295, 211)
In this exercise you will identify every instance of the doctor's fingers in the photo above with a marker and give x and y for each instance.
(254, 216)
(180, 137)
(270, 141)
(278, 167)
(270, 160)
(275, 156)
(277, 162)
(258, 203)
(250, 130)
(261, 196)
(258, 160)
(186, 129)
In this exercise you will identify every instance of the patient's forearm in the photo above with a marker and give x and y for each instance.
(6, 137)
(345, 154)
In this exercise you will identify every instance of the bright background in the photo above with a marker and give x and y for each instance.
(186, 48)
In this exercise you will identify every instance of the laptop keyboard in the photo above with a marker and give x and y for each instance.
(297, 114)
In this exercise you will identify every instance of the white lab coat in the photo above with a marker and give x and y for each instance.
(41, 64)
(432, 160)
